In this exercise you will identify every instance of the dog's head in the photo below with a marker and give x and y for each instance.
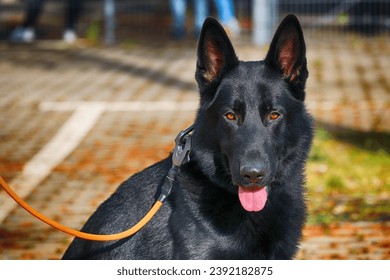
(252, 119)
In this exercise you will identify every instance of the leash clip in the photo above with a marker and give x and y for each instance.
(181, 152)
(180, 155)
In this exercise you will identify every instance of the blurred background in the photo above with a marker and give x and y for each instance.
(94, 91)
(128, 20)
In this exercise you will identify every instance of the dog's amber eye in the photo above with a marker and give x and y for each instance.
(230, 116)
(274, 116)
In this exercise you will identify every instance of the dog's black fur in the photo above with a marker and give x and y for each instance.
(251, 129)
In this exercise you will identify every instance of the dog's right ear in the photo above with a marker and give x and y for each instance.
(215, 54)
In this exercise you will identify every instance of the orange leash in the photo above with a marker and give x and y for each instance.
(80, 234)
(180, 155)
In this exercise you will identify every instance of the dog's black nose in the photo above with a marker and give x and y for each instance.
(252, 173)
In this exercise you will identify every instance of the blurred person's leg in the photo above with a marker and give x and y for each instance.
(34, 8)
(178, 9)
(227, 16)
(225, 10)
(201, 12)
(72, 15)
(26, 32)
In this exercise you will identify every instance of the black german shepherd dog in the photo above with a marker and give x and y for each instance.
(241, 193)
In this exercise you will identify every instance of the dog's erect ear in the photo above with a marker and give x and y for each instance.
(287, 53)
(215, 53)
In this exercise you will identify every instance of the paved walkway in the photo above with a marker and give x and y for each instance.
(75, 122)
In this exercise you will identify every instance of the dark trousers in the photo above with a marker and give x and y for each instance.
(34, 8)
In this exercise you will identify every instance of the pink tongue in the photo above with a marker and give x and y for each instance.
(252, 198)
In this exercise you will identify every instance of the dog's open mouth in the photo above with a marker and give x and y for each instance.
(253, 199)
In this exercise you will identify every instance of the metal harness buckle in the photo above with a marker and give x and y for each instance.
(180, 156)
(181, 152)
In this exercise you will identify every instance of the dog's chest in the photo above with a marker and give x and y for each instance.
(215, 236)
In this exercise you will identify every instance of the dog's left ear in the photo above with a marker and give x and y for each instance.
(287, 54)
(215, 53)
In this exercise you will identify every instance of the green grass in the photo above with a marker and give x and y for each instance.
(348, 177)
(93, 32)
